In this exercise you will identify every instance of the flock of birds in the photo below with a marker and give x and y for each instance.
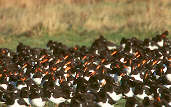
(99, 76)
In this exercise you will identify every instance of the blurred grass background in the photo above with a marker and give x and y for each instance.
(72, 22)
(80, 22)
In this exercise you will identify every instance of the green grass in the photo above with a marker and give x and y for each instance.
(70, 38)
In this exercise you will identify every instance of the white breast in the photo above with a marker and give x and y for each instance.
(21, 86)
(153, 47)
(142, 96)
(86, 78)
(137, 77)
(4, 86)
(114, 96)
(130, 93)
(57, 82)
(27, 100)
(160, 43)
(123, 45)
(128, 70)
(37, 80)
(57, 100)
(131, 51)
(107, 66)
(25, 70)
(167, 86)
(122, 60)
(117, 78)
(97, 52)
(169, 103)
(168, 76)
(38, 102)
(101, 104)
(111, 47)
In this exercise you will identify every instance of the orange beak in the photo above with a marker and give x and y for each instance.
(23, 79)
(3, 52)
(61, 80)
(122, 74)
(54, 68)
(103, 83)
(51, 73)
(40, 70)
(125, 62)
(36, 70)
(66, 57)
(84, 57)
(20, 74)
(24, 66)
(130, 61)
(85, 69)
(158, 99)
(68, 63)
(154, 62)
(125, 66)
(143, 62)
(98, 67)
(77, 75)
(161, 70)
(43, 56)
(46, 72)
(102, 60)
(85, 63)
(53, 78)
(169, 59)
(68, 68)
(136, 53)
(113, 53)
(45, 60)
(133, 68)
(146, 75)
(57, 61)
(103, 71)
(117, 66)
(93, 73)
(68, 75)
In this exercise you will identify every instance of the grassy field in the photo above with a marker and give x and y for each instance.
(80, 22)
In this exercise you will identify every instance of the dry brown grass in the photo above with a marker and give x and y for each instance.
(33, 16)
